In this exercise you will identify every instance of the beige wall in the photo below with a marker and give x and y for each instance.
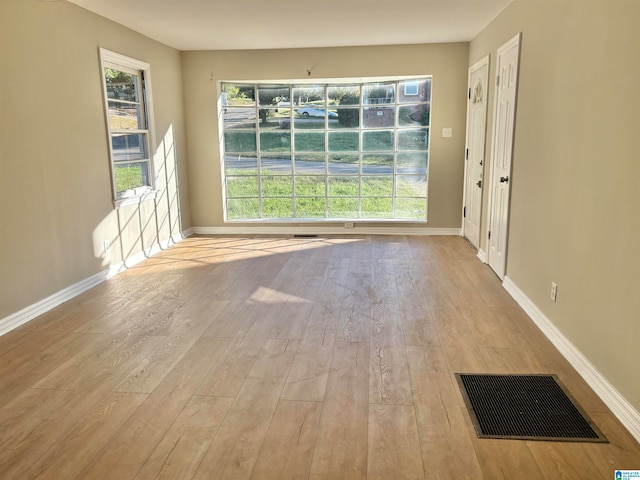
(576, 173)
(446, 62)
(56, 206)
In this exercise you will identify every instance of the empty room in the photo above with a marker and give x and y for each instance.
(319, 240)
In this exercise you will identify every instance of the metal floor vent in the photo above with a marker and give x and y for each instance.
(527, 407)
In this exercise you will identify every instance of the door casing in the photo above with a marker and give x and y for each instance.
(474, 151)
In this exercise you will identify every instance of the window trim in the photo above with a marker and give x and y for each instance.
(128, 64)
(361, 106)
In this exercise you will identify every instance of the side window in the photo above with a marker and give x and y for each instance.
(127, 107)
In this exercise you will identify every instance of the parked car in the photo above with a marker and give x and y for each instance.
(315, 112)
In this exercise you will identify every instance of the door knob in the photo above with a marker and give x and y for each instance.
(504, 179)
(479, 183)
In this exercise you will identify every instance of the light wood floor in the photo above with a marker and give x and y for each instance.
(284, 358)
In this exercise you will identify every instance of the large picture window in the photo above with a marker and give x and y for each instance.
(126, 96)
(330, 151)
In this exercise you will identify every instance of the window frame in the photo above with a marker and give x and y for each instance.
(396, 104)
(117, 61)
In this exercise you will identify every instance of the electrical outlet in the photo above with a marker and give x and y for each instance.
(105, 246)
(348, 224)
(554, 291)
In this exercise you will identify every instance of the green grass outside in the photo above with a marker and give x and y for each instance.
(277, 190)
(339, 141)
(319, 207)
(314, 185)
(127, 178)
(278, 202)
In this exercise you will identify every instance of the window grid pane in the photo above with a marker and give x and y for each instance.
(355, 150)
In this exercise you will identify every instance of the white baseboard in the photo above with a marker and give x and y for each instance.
(29, 313)
(32, 311)
(619, 406)
(322, 230)
(482, 256)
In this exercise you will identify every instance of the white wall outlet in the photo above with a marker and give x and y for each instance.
(348, 224)
(105, 246)
(447, 132)
(554, 291)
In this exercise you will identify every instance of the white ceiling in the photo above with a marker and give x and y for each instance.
(256, 24)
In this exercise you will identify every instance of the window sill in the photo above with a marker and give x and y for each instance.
(301, 221)
(136, 196)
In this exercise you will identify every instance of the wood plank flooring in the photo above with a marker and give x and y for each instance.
(284, 358)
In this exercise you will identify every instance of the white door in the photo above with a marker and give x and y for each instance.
(502, 152)
(474, 153)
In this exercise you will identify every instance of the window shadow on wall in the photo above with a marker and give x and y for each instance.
(139, 228)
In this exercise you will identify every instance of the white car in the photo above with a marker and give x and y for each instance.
(315, 112)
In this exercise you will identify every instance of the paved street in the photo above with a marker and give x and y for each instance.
(310, 167)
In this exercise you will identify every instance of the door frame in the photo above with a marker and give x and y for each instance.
(485, 61)
(514, 41)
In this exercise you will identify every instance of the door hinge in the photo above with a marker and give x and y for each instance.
(464, 212)
(466, 155)
(469, 93)
(489, 234)
(497, 80)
